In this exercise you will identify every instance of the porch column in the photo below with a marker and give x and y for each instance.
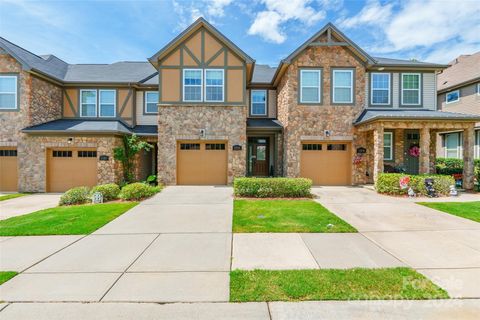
(468, 157)
(377, 151)
(424, 150)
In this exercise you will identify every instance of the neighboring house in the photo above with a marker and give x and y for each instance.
(329, 112)
(459, 91)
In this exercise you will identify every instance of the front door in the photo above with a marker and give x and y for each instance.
(412, 142)
(258, 156)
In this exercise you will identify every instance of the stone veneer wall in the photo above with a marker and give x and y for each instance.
(184, 123)
(308, 122)
(33, 166)
(11, 122)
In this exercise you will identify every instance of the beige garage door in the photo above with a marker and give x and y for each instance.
(68, 168)
(327, 163)
(8, 169)
(202, 163)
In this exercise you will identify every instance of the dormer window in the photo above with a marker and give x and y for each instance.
(8, 92)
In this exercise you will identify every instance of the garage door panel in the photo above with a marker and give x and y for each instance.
(68, 168)
(326, 163)
(202, 163)
(8, 169)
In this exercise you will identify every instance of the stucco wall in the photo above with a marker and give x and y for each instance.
(184, 123)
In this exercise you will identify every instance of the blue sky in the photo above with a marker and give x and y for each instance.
(268, 30)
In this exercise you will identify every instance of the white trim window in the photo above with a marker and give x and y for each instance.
(151, 102)
(411, 93)
(258, 102)
(478, 89)
(310, 86)
(342, 86)
(388, 146)
(192, 85)
(453, 145)
(107, 103)
(214, 85)
(88, 103)
(452, 96)
(8, 93)
(380, 93)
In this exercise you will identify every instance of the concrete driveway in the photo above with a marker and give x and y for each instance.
(443, 247)
(174, 247)
(28, 204)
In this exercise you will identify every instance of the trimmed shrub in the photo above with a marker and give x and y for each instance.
(272, 187)
(389, 183)
(109, 191)
(77, 195)
(138, 191)
(452, 166)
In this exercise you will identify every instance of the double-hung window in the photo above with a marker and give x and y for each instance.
(342, 86)
(380, 93)
(411, 89)
(151, 101)
(258, 103)
(452, 145)
(388, 146)
(107, 103)
(214, 85)
(452, 96)
(192, 85)
(310, 86)
(8, 93)
(477, 144)
(88, 103)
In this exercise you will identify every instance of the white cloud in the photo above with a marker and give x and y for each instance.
(431, 30)
(372, 14)
(430, 22)
(268, 23)
(216, 7)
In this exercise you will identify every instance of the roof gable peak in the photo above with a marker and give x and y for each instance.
(334, 37)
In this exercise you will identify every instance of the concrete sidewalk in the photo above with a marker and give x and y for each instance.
(325, 310)
(28, 204)
(443, 247)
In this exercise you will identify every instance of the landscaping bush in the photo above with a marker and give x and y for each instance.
(138, 191)
(389, 183)
(452, 166)
(76, 195)
(109, 191)
(272, 187)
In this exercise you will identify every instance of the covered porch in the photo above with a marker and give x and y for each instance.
(264, 148)
(405, 141)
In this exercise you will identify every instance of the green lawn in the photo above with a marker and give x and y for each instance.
(285, 216)
(12, 196)
(82, 219)
(332, 284)
(7, 275)
(467, 210)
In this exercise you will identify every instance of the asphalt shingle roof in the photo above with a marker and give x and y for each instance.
(264, 124)
(462, 69)
(371, 115)
(80, 126)
(125, 71)
(263, 73)
(406, 63)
